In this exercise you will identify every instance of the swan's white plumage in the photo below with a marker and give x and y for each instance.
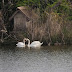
(34, 44)
(20, 44)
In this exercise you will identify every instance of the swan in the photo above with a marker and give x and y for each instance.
(21, 44)
(34, 44)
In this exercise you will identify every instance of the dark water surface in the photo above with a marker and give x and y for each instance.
(46, 59)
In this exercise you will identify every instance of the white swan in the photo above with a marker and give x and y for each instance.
(21, 44)
(34, 44)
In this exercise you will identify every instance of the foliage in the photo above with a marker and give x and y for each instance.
(61, 8)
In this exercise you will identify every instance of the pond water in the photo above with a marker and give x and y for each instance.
(45, 59)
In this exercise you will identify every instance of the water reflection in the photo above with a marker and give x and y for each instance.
(46, 59)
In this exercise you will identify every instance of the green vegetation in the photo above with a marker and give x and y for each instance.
(59, 11)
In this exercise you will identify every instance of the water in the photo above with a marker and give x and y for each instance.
(46, 59)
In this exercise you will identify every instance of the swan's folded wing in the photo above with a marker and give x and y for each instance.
(35, 42)
(20, 43)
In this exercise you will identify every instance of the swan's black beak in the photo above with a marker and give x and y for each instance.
(26, 41)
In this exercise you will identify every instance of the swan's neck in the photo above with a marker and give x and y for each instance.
(24, 41)
(28, 43)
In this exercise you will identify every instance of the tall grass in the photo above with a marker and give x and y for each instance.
(51, 30)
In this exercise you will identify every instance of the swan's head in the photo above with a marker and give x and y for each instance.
(25, 39)
(28, 41)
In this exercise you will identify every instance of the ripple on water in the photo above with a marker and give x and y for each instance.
(46, 59)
